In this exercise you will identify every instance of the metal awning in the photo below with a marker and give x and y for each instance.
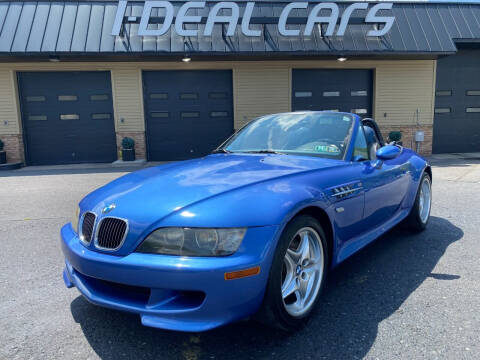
(84, 28)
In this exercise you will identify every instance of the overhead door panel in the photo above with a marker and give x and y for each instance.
(328, 89)
(67, 117)
(456, 126)
(188, 113)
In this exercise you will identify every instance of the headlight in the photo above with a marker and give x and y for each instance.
(75, 217)
(193, 242)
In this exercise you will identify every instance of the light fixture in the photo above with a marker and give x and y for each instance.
(186, 59)
(342, 59)
(53, 58)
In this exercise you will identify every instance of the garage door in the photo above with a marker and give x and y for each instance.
(188, 113)
(67, 117)
(340, 90)
(456, 126)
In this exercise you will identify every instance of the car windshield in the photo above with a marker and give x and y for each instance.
(309, 133)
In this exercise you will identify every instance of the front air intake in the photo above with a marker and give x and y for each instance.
(111, 233)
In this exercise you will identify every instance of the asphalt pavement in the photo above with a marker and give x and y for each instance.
(403, 297)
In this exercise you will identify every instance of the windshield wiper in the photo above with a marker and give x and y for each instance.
(221, 151)
(264, 151)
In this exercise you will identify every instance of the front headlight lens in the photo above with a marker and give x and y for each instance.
(75, 218)
(193, 242)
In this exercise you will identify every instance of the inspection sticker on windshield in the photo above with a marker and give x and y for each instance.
(327, 149)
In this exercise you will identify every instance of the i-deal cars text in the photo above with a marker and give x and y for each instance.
(216, 15)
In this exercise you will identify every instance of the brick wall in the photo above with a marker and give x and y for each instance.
(408, 136)
(13, 147)
(138, 137)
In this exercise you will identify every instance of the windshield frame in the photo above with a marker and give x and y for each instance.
(348, 138)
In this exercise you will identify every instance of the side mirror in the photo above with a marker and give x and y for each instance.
(388, 152)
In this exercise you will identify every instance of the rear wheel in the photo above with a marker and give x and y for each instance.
(418, 218)
(297, 275)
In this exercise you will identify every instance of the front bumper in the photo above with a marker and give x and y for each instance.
(172, 292)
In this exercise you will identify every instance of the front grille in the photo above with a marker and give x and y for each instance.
(87, 226)
(111, 233)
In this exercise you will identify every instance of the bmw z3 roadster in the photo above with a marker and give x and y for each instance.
(249, 230)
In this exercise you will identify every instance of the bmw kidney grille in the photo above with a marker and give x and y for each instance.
(88, 223)
(111, 233)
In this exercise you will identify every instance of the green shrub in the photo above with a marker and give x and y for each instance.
(395, 136)
(1, 145)
(128, 143)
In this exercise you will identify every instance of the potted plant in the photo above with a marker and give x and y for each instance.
(3, 154)
(395, 136)
(128, 149)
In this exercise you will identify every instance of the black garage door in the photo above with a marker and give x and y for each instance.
(456, 125)
(340, 90)
(67, 117)
(188, 113)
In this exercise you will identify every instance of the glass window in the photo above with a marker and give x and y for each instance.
(159, 114)
(302, 94)
(359, 111)
(217, 95)
(360, 150)
(442, 110)
(37, 117)
(69, 117)
(473, 110)
(190, 114)
(473, 92)
(99, 97)
(36, 98)
(189, 96)
(313, 134)
(443, 93)
(67, 98)
(159, 96)
(101, 116)
(359, 93)
(331, 93)
(219, 113)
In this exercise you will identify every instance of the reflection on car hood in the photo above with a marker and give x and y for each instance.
(158, 191)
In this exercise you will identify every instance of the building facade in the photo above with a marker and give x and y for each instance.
(180, 77)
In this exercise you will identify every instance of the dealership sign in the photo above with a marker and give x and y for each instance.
(327, 13)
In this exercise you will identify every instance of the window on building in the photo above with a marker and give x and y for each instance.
(37, 117)
(159, 96)
(359, 93)
(101, 97)
(217, 95)
(189, 96)
(219, 114)
(473, 92)
(331, 93)
(190, 114)
(442, 110)
(36, 98)
(67, 98)
(159, 114)
(359, 111)
(472, 109)
(69, 116)
(443, 93)
(101, 116)
(303, 94)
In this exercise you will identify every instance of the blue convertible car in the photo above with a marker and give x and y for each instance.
(251, 229)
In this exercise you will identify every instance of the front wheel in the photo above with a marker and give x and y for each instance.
(297, 275)
(418, 218)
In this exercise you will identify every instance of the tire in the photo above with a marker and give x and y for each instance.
(418, 218)
(286, 312)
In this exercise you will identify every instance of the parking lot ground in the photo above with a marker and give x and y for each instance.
(403, 297)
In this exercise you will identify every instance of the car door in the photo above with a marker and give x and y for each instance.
(385, 183)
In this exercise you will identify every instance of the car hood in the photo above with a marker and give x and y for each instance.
(156, 192)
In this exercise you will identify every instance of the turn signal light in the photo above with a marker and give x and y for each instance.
(242, 273)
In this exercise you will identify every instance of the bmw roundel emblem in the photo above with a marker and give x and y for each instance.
(108, 208)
